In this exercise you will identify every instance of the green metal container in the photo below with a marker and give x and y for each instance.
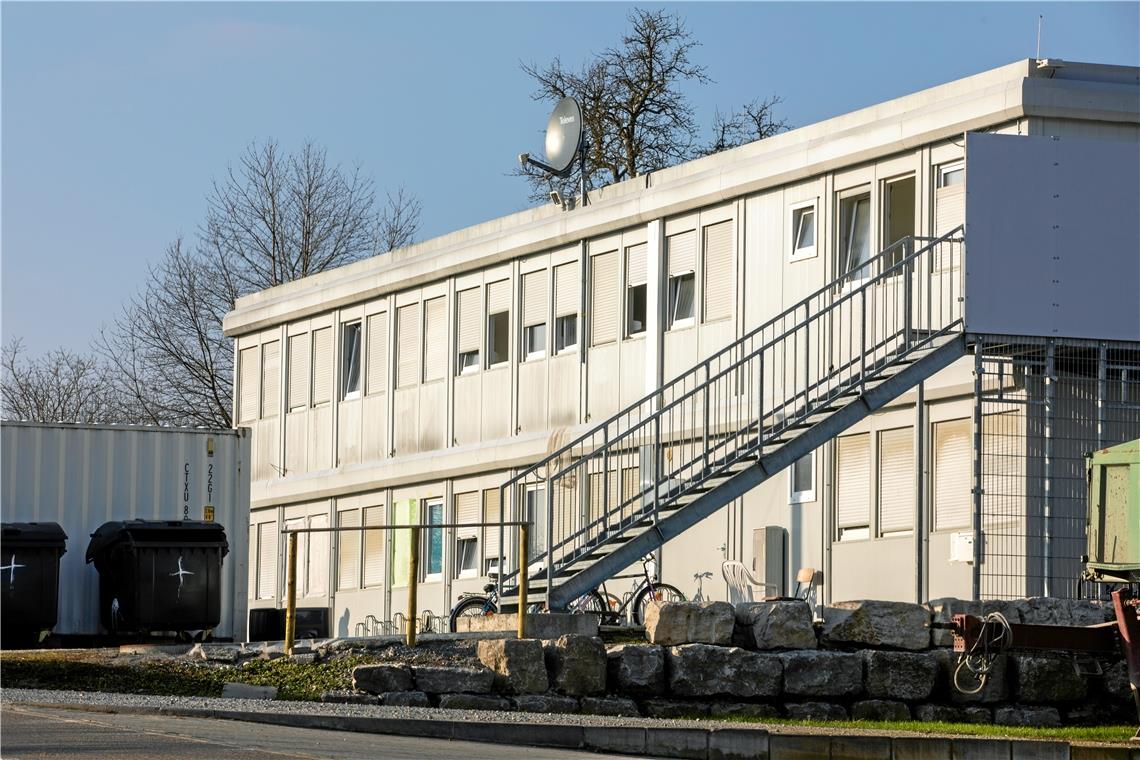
(1114, 514)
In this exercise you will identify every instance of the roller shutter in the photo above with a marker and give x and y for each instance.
(348, 550)
(373, 547)
(534, 298)
(377, 378)
(853, 494)
(604, 310)
(270, 378)
(407, 346)
(298, 371)
(953, 474)
(467, 511)
(682, 252)
(635, 265)
(566, 290)
(247, 361)
(491, 512)
(267, 560)
(317, 582)
(469, 321)
(498, 297)
(896, 480)
(718, 269)
(435, 341)
(322, 366)
(949, 208)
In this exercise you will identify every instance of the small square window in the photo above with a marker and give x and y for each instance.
(350, 360)
(466, 557)
(803, 232)
(566, 333)
(802, 480)
(681, 301)
(534, 341)
(498, 342)
(951, 174)
(468, 362)
(635, 309)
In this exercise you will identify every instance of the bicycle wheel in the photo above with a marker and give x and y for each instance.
(472, 606)
(590, 603)
(662, 593)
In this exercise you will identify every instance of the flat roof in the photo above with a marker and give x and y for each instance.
(1024, 88)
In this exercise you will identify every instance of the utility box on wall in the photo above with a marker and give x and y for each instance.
(1114, 514)
(768, 551)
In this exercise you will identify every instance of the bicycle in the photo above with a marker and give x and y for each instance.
(699, 578)
(647, 590)
(479, 605)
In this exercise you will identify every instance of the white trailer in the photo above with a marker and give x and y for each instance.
(82, 476)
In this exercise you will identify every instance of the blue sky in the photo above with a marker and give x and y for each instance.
(115, 117)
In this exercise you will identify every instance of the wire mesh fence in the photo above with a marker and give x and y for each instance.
(1044, 405)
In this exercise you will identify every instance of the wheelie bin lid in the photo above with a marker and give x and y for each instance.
(46, 535)
(156, 534)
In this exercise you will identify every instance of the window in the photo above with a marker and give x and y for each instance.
(604, 307)
(534, 315)
(953, 474)
(407, 346)
(534, 341)
(491, 513)
(435, 339)
(298, 371)
(565, 333)
(467, 332)
(467, 539)
(433, 566)
(717, 272)
(855, 236)
(853, 487)
(802, 480)
(951, 174)
(348, 550)
(377, 375)
(498, 323)
(266, 561)
(899, 219)
(270, 378)
(535, 506)
(350, 360)
(949, 197)
(635, 289)
(681, 252)
(312, 555)
(322, 366)
(373, 547)
(896, 481)
(803, 231)
(247, 378)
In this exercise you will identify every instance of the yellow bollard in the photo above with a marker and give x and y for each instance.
(523, 561)
(291, 594)
(413, 582)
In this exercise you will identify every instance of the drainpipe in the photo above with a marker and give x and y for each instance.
(976, 579)
(920, 533)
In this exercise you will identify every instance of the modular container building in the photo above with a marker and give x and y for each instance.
(82, 476)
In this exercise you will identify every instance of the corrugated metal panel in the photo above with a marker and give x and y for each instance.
(949, 208)
(322, 366)
(373, 547)
(377, 353)
(896, 480)
(348, 550)
(534, 298)
(270, 378)
(435, 339)
(718, 270)
(469, 321)
(853, 494)
(247, 379)
(498, 297)
(952, 474)
(635, 265)
(298, 371)
(491, 512)
(467, 511)
(566, 289)
(681, 252)
(407, 346)
(604, 311)
(84, 476)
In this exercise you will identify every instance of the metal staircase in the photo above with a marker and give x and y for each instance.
(709, 435)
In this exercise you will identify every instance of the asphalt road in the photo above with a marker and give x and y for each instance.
(48, 733)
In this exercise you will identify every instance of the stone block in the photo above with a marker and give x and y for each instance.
(920, 748)
(738, 744)
(670, 708)
(815, 711)
(798, 747)
(702, 670)
(690, 623)
(995, 689)
(943, 610)
(846, 747)
(822, 674)
(677, 742)
(405, 699)
(1045, 610)
(350, 698)
(636, 669)
(871, 623)
(248, 691)
(538, 626)
(625, 740)
(436, 679)
(981, 749)
(1114, 681)
(948, 714)
(1040, 716)
(576, 665)
(900, 675)
(774, 625)
(749, 710)
(1048, 680)
(519, 664)
(473, 702)
(545, 703)
(617, 706)
(880, 709)
(1022, 749)
(377, 679)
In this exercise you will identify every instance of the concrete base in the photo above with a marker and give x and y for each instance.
(538, 626)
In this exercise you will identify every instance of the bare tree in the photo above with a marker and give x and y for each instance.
(272, 219)
(635, 115)
(59, 386)
(754, 121)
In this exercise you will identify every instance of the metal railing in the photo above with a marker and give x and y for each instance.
(720, 415)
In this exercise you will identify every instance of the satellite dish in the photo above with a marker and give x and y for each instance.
(563, 135)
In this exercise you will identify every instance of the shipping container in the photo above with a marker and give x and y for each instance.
(82, 476)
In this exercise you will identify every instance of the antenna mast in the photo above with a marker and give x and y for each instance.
(1040, 21)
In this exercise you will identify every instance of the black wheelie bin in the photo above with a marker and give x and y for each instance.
(29, 580)
(159, 575)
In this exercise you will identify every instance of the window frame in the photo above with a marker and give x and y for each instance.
(491, 334)
(559, 347)
(672, 322)
(630, 291)
(854, 195)
(808, 252)
(805, 496)
(427, 505)
(345, 394)
(467, 368)
(466, 572)
(533, 354)
(948, 168)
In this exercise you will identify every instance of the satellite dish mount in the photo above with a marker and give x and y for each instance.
(565, 141)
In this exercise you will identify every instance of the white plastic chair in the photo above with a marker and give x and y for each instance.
(741, 582)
